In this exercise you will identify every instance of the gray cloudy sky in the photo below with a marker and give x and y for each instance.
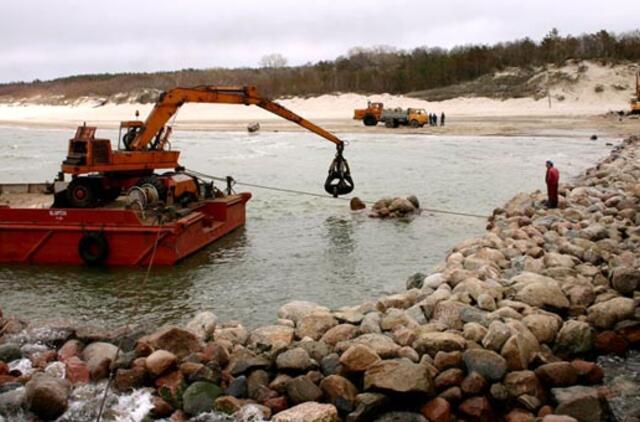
(50, 38)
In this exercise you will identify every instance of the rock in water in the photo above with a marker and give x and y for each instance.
(47, 396)
(356, 204)
(199, 397)
(203, 325)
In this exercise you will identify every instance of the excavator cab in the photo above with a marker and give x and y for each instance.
(131, 128)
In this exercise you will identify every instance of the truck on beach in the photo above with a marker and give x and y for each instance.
(392, 118)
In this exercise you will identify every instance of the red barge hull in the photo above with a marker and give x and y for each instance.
(53, 235)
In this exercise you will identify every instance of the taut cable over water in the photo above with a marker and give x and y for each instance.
(319, 195)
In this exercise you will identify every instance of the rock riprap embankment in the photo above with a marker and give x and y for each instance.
(506, 327)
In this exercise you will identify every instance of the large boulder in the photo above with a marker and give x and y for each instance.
(400, 376)
(487, 363)
(308, 412)
(203, 325)
(175, 340)
(315, 325)
(625, 280)
(538, 290)
(299, 309)
(434, 342)
(358, 358)
(47, 396)
(605, 314)
(9, 352)
(557, 374)
(159, 361)
(199, 397)
(302, 389)
(379, 343)
(575, 337)
(544, 327)
(579, 402)
(296, 359)
(339, 391)
(271, 337)
(99, 357)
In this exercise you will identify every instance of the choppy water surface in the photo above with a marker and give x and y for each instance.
(292, 247)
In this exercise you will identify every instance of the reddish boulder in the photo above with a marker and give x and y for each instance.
(77, 371)
(609, 342)
(161, 409)
(557, 374)
(588, 372)
(4, 368)
(449, 378)
(69, 349)
(478, 409)
(437, 410)
(175, 340)
(519, 415)
(128, 379)
(474, 383)
(277, 404)
(41, 359)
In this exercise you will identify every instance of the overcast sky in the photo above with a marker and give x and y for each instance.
(45, 39)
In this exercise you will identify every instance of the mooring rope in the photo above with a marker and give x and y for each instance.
(326, 196)
(135, 311)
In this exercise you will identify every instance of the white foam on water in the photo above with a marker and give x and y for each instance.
(23, 365)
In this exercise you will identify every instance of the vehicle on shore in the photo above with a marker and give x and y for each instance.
(635, 102)
(392, 118)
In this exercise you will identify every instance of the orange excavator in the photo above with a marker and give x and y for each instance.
(99, 174)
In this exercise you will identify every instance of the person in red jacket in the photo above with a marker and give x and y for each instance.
(552, 179)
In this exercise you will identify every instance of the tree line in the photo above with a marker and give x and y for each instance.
(362, 70)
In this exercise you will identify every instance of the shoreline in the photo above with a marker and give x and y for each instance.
(507, 325)
(570, 126)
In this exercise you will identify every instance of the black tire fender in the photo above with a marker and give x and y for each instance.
(93, 248)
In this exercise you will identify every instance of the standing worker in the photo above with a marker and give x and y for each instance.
(435, 119)
(442, 119)
(552, 178)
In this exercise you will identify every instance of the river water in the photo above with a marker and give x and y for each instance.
(293, 246)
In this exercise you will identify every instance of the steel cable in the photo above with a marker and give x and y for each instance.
(320, 195)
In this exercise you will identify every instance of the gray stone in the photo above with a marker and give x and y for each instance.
(199, 397)
(575, 337)
(296, 359)
(299, 309)
(579, 402)
(302, 389)
(12, 402)
(487, 363)
(605, 314)
(625, 280)
(10, 352)
(203, 325)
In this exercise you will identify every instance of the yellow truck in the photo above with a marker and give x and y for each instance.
(635, 103)
(375, 113)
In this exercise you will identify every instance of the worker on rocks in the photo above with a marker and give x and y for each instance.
(552, 178)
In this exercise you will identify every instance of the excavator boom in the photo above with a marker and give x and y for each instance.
(172, 100)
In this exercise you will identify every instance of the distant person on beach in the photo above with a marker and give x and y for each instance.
(552, 178)
(435, 119)
(442, 119)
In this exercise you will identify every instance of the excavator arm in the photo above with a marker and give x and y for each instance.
(172, 100)
(338, 182)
